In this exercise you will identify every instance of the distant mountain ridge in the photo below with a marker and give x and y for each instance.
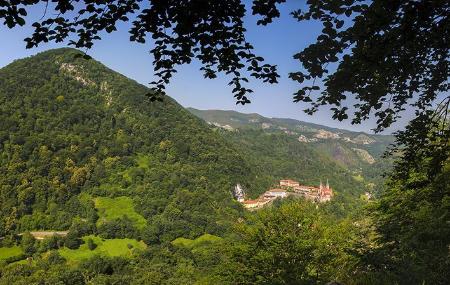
(310, 132)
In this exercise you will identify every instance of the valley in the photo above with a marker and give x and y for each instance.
(83, 156)
(100, 185)
(110, 174)
(306, 152)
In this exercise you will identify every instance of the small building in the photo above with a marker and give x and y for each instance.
(303, 189)
(289, 183)
(276, 193)
(254, 204)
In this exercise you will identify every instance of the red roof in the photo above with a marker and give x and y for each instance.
(277, 190)
(250, 202)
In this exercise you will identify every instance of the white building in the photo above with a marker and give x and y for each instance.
(277, 193)
(254, 204)
(239, 193)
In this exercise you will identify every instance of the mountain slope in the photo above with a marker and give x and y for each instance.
(304, 150)
(276, 156)
(314, 134)
(72, 130)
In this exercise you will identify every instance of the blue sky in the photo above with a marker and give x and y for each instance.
(276, 42)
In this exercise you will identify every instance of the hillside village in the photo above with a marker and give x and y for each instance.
(286, 188)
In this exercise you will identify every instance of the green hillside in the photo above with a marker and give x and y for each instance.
(110, 247)
(305, 151)
(71, 127)
(98, 185)
(114, 208)
(82, 148)
(80, 142)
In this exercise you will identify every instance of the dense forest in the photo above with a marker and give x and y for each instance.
(73, 130)
(144, 190)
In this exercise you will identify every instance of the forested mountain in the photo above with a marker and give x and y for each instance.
(73, 132)
(101, 185)
(304, 150)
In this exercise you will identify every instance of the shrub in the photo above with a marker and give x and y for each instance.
(91, 244)
(55, 258)
(28, 244)
(72, 240)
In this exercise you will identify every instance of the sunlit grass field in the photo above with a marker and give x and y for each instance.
(192, 243)
(7, 252)
(113, 208)
(107, 247)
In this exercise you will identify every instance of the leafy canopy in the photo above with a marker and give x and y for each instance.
(386, 52)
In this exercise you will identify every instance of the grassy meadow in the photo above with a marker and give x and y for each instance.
(8, 252)
(113, 208)
(108, 247)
